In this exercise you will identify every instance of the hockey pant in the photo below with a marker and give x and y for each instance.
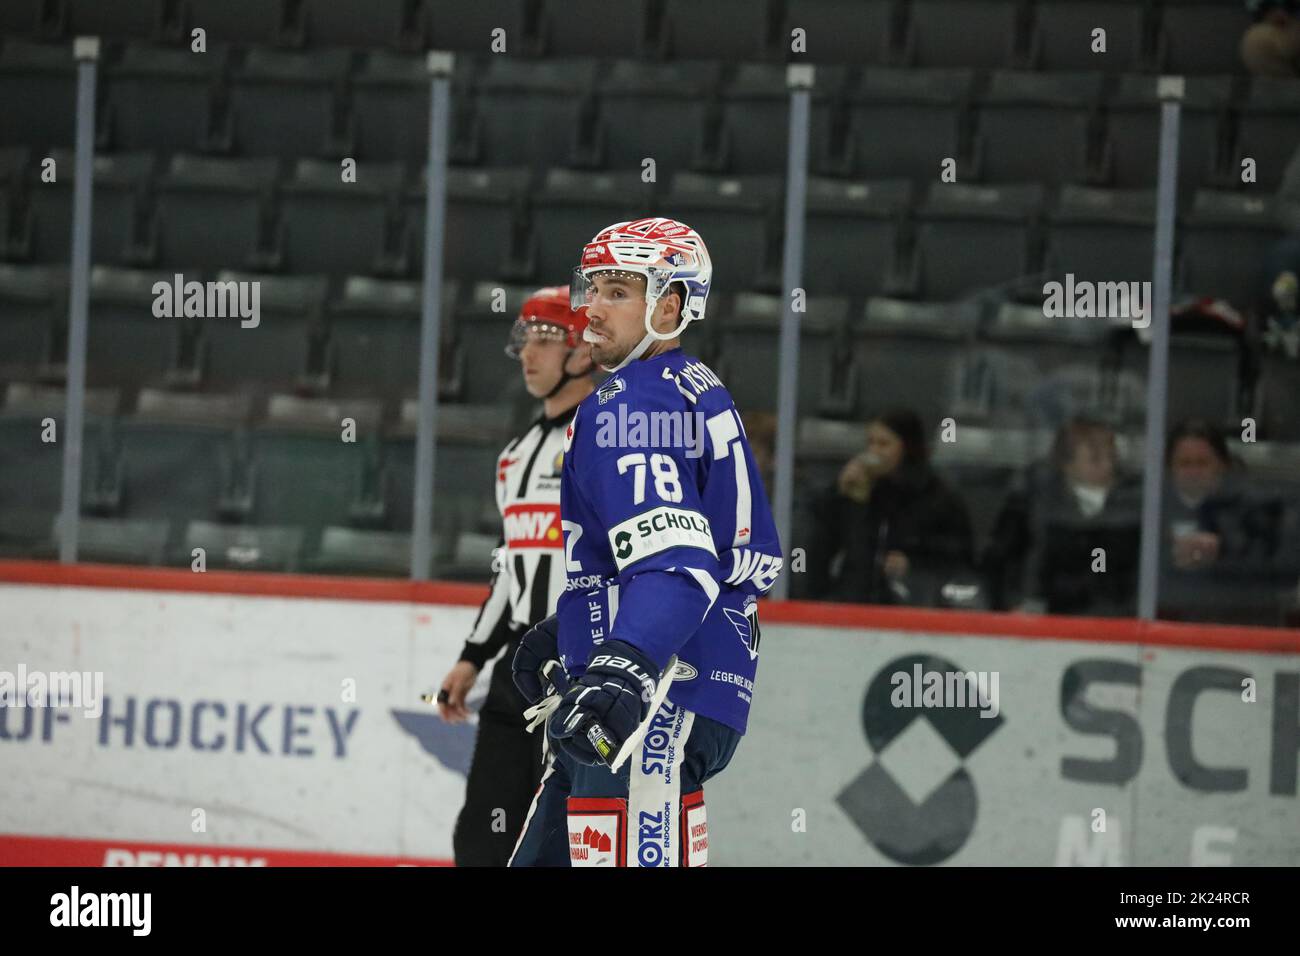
(651, 813)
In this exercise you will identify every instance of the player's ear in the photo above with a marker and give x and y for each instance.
(668, 312)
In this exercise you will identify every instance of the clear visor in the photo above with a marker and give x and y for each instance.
(533, 330)
(605, 287)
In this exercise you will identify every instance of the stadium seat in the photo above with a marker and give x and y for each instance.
(122, 18)
(391, 109)
(33, 300)
(1267, 129)
(907, 354)
(335, 226)
(1035, 126)
(722, 29)
(355, 552)
(907, 122)
(238, 21)
(275, 351)
(245, 547)
(210, 212)
(1225, 238)
(375, 329)
(1102, 235)
(20, 17)
(1133, 131)
(572, 207)
(756, 117)
(655, 110)
(852, 234)
(120, 182)
(160, 98)
(38, 87)
(1063, 34)
(357, 23)
(484, 213)
(129, 347)
(534, 111)
(121, 540)
(595, 28)
(1202, 36)
(738, 215)
(973, 238)
(284, 104)
(843, 31)
(1047, 342)
(982, 34)
(751, 336)
(484, 332)
(469, 24)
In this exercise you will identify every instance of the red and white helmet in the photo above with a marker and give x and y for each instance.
(663, 251)
(546, 313)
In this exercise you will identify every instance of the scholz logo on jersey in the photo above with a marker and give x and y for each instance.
(658, 530)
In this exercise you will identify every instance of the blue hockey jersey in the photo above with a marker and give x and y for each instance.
(668, 535)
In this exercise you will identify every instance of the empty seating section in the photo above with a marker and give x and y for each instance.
(962, 154)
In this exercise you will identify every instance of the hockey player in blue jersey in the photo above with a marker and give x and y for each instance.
(669, 541)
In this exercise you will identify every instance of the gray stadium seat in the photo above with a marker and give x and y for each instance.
(843, 31)
(1267, 131)
(358, 23)
(737, 215)
(1035, 126)
(161, 98)
(129, 347)
(483, 217)
(33, 300)
(1063, 40)
(375, 328)
(121, 540)
(721, 29)
(1133, 131)
(338, 227)
(1202, 36)
(532, 110)
(751, 335)
(284, 104)
(238, 21)
(38, 88)
(1102, 235)
(122, 18)
(391, 109)
(211, 211)
(352, 551)
(967, 33)
(756, 117)
(655, 110)
(908, 354)
(468, 25)
(120, 182)
(572, 207)
(244, 547)
(907, 122)
(852, 234)
(595, 28)
(20, 17)
(1048, 342)
(972, 238)
(492, 376)
(275, 351)
(1225, 237)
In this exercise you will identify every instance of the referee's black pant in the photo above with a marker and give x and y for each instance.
(503, 775)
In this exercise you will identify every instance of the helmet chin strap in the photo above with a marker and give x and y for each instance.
(650, 336)
(565, 377)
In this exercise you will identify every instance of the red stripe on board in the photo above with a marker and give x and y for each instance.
(65, 851)
(811, 613)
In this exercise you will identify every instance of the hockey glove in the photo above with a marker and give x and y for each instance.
(539, 645)
(606, 706)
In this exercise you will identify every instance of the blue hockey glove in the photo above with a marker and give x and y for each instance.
(539, 645)
(606, 705)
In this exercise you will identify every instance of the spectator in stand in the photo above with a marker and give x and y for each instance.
(1271, 45)
(1224, 546)
(890, 531)
(760, 429)
(1043, 553)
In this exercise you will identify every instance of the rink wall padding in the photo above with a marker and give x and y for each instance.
(263, 720)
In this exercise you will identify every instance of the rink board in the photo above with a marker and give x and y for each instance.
(287, 711)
